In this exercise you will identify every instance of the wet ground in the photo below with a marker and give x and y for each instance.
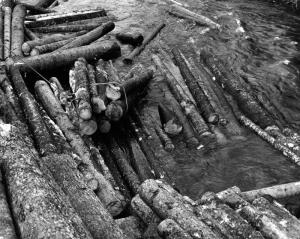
(258, 40)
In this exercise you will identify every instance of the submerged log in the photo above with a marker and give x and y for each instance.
(68, 56)
(90, 36)
(39, 206)
(7, 10)
(65, 29)
(17, 30)
(169, 229)
(129, 59)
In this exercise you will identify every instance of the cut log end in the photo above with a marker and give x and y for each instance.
(114, 112)
(88, 127)
(172, 128)
(98, 105)
(34, 52)
(104, 126)
(213, 119)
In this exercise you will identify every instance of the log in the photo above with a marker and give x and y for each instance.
(132, 38)
(110, 198)
(1, 34)
(169, 121)
(43, 3)
(7, 115)
(129, 58)
(78, 80)
(90, 36)
(7, 229)
(17, 30)
(97, 20)
(231, 196)
(169, 229)
(7, 10)
(39, 207)
(101, 80)
(113, 91)
(29, 45)
(35, 9)
(54, 4)
(166, 206)
(185, 13)
(30, 35)
(36, 124)
(67, 57)
(201, 99)
(136, 115)
(88, 206)
(65, 29)
(166, 141)
(131, 226)
(104, 125)
(58, 18)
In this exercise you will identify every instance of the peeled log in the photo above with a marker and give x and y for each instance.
(39, 207)
(1, 33)
(90, 36)
(169, 229)
(107, 50)
(17, 30)
(7, 229)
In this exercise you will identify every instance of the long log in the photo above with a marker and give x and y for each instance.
(34, 9)
(40, 208)
(30, 35)
(1, 34)
(65, 29)
(101, 80)
(129, 59)
(169, 229)
(7, 113)
(58, 18)
(7, 10)
(17, 30)
(43, 3)
(108, 50)
(7, 229)
(29, 45)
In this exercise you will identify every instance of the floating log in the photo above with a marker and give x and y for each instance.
(131, 226)
(29, 45)
(17, 30)
(7, 10)
(169, 229)
(52, 19)
(1, 34)
(43, 3)
(166, 206)
(202, 101)
(68, 56)
(129, 59)
(133, 38)
(30, 35)
(185, 13)
(50, 213)
(64, 29)
(7, 229)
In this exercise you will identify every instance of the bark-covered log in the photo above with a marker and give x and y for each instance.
(34, 9)
(166, 141)
(7, 114)
(38, 127)
(7, 10)
(64, 29)
(17, 30)
(132, 227)
(201, 99)
(129, 59)
(136, 115)
(169, 121)
(54, 4)
(29, 45)
(169, 229)
(88, 206)
(43, 3)
(30, 35)
(133, 38)
(231, 196)
(97, 20)
(101, 80)
(185, 13)
(110, 198)
(166, 206)
(108, 50)
(245, 99)
(90, 36)
(40, 208)
(57, 18)
(78, 80)
(1, 34)
(7, 229)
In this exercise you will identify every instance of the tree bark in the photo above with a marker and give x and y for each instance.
(34, 9)
(1, 34)
(132, 226)
(7, 10)
(43, 3)
(169, 229)
(17, 30)
(166, 141)
(108, 50)
(64, 29)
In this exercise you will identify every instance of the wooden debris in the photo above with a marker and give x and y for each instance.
(30, 35)
(169, 121)
(169, 229)
(65, 29)
(129, 59)
(34, 9)
(43, 3)
(101, 80)
(133, 38)
(131, 226)
(7, 10)
(17, 30)
(166, 141)
(68, 56)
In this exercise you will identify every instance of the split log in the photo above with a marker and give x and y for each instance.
(166, 206)
(88, 206)
(7, 229)
(265, 136)
(185, 13)
(169, 229)
(125, 168)
(133, 38)
(17, 30)
(277, 191)
(34, 9)
(7, 10)
(67, 57)
(169, 121)
(90, 36)
(166, 141)
(1, 34)
(43, 3)
(78, 80)
(110, 198)
(58, 18)
(39, 206)
(131, 226)
(143, 211)
(101, 80)
(129, 59)
(29, 45)
(246, 101)
(36, 124)
(64, 29)
(30, 35)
